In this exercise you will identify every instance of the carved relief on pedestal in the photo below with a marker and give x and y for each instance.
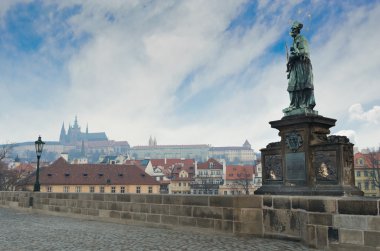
(319, 135)
(348, 165)
(273, 167)
(325, 165)
(293, 140)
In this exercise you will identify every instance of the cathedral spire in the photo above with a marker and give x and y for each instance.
(62, 136)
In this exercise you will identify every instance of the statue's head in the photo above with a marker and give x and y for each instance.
(296, 28)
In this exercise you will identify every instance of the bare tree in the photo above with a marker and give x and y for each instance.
(245, 180)
(372, 159)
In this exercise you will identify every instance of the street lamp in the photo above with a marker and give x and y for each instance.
(39, 144)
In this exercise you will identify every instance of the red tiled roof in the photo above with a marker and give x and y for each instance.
(234, 172)
(210, 162)
(370, 160)
(62, 173)
(171, 162)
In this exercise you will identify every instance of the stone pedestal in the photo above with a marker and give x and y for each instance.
(307, 161)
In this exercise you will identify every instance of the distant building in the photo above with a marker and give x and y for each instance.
(171, 173)
(208, 177)
(61, 176)
(238, 180)
(77, 144)
(234, 154)
(367, 173)
(75, 136)
(154, 151)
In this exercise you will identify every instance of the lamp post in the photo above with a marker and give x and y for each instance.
(39, 144)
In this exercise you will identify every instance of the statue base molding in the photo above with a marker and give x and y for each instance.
(307, 161)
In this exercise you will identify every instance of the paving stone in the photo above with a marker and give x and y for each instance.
(21, 231)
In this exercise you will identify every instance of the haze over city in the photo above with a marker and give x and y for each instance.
(185, 72)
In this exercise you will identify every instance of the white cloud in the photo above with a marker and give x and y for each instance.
(372, 116)
(128, 78)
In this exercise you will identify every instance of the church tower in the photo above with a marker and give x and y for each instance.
(62, 136)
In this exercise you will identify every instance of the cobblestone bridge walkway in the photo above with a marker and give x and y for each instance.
(29, 231)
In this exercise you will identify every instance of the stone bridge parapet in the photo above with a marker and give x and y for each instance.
(330, 223)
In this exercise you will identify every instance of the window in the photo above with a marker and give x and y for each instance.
(49, 189)
(179, 184)
(373, 186)
(122, 189)
(113, 189)
(360, 185)
(92, 189)
(365, 173)
(150, 189)
(366, 185)
(357, 173)
(101, 190)
(66, 189)
(225, 192)
(138, 189)
(78, 189)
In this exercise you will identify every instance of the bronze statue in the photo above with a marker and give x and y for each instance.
(300, 74)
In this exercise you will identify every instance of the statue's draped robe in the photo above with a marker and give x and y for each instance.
(300, 85)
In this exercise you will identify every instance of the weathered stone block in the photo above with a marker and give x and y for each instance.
(228, 214)
(221, 201)
(187, 221)
(351, 236)
(110, 197)
(281, 222)
(322, 205)
(159, 209)
(223, 226)
(139, 208)
(123, 197)
(114, 206)
(98, 196)
(267, 201)
(281, 202)
(83, 196)
(172, 199)
(372, 239)
(350, 222)
(310, 238)
(322, 236)
(205, 223)
(125, 215)
(299, 203)
(208, 212)
(138, 217)
(320, 219)
(373, 223)
(333, 234)
(93, 212)
(73, 196)
(255, 201)
(154, 199)
(195, 200)
(156, 218)
(104, 213)
(248, 228)
(138, 198)
(180, 210)
(169, 219)
(114, 214)
(101, 205)
(76, 210)
(358, 207)
(250, 215)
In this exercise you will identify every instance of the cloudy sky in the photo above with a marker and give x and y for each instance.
(185, 72)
